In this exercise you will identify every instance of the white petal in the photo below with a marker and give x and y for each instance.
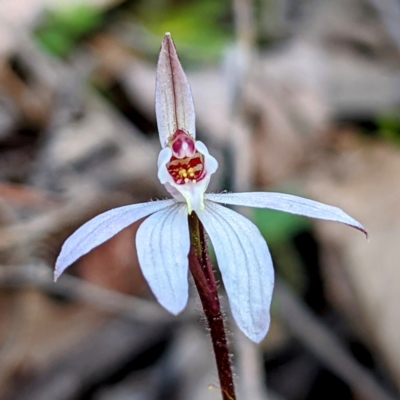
(210, 163)
(163, 243)
(288, 203)
(174, 102)
(246, 267)
(163, 159)
(100, 229)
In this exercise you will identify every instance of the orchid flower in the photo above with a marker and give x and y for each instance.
(163, 240)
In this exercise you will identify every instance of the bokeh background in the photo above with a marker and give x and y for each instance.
(298, 96)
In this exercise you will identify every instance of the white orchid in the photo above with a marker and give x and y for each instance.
(163, 239)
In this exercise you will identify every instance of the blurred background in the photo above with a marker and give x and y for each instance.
(298, 96)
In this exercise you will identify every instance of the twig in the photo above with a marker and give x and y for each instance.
(76, 289)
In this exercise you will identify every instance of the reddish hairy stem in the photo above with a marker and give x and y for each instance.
(201, 269)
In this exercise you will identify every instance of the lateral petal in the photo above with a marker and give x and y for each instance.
(100, 229)
(246, 267)
(163, 244)
(174, 102)
(288, 203)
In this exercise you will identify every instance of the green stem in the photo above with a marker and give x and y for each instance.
(203, 275)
